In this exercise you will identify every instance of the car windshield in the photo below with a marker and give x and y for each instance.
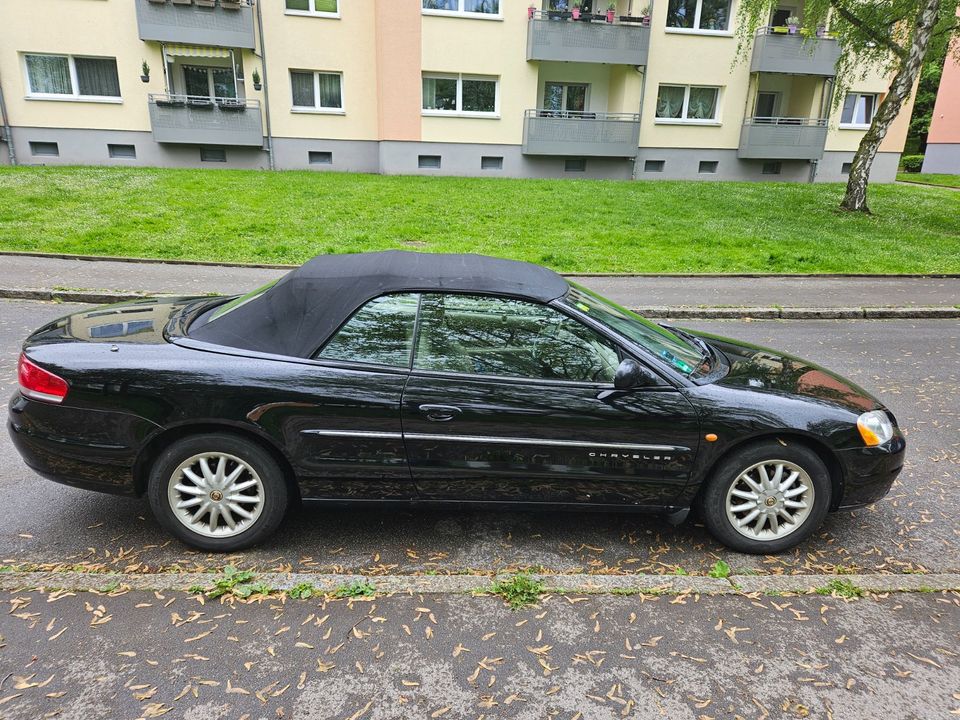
(682, 355)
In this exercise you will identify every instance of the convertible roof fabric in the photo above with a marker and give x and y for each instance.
(298, 314)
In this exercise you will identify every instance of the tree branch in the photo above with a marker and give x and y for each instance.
(878, 38)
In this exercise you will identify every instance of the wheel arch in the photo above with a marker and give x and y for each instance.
(829, 458)
(164, 438)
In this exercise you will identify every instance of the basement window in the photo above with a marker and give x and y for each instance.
(321, 157)
(128, 152)
(771, 168)
(575, 165)
(213, 154)
(491, 162)
(45, 149)
(845, 168)
(428, 162)
(708, 167)
(652, 166)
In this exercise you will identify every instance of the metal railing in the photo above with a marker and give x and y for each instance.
(784, 30)
(793, 121)
(775, 51)
(782, 138)
(225, 4)
(587, 40)
(204, 120)
(584, 133)
(219, 23)
(558, 15)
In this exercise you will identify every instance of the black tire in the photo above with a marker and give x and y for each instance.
(711, 503)
(275, 503)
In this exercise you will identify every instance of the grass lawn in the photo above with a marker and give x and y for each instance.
(952, 181)
(569, 225)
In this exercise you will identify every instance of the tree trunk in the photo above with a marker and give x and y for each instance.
(900, 89)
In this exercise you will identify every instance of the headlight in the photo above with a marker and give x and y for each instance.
(875, 427)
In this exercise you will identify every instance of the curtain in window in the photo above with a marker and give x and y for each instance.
(330, 91)
(703, 103)
(49, 74)
(439, 94)
(553, 96)
(479, 96)
(482, 6)
(302, 89)
(670, 102)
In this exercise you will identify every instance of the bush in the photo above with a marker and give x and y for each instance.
(911, 163)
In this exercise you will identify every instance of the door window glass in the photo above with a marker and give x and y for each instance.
(512, 338)
(380, 333)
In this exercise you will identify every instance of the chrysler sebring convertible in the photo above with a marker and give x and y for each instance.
(401, 377)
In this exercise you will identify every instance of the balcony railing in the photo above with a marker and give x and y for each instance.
(778, 52)
(200, 120)
(586, 41)
(588, 134)
(782, 138)
(221, 23)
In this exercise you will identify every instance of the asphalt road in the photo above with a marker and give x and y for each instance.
(87, 657)
(913, 366)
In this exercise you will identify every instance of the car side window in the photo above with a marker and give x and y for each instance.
(512, 338)
(379, 333)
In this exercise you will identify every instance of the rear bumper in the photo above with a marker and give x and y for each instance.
(869, 472)
(88, 449)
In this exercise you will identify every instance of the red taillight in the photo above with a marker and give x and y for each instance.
(39, 384)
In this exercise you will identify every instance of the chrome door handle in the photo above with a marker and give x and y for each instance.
(440, 413)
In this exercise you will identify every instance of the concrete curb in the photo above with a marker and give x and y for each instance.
(105, 297)
(455, 584)
(268, 266)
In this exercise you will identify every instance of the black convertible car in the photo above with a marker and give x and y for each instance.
(405, 377)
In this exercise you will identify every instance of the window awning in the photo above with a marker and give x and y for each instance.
(197, 51)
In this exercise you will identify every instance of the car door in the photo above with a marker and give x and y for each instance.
(505, 402)
(345, 436)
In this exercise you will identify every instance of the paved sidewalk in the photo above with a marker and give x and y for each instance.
(87, 656)
(32, 273)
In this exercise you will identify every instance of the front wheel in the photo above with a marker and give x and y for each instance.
(766, 498)
(217, 492)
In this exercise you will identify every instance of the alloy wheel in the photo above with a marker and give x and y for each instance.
(769, 500)
(216, 495)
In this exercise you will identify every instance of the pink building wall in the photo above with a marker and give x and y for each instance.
(943, 141)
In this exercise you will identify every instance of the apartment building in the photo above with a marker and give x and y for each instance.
(943, 141)
(447, 87)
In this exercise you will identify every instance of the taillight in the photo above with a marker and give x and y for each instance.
(39, 384)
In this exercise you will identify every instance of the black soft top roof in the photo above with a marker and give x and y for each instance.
(309, 304)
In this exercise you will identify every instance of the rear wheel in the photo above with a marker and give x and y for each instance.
(218, 492)
(767, 497)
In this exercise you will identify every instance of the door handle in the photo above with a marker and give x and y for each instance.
(440, 413)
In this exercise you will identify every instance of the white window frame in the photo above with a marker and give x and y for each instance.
(75, 95)
(686, 102)
(859, 126)
(460, 77)
(316, 110)
(461, 13)
(696, 30)
(313, 12)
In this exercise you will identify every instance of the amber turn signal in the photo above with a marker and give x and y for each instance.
(710, 437)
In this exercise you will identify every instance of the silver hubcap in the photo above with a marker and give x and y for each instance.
(770, 500)
(215, 495)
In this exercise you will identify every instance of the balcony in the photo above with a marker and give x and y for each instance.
(583, 41)
(776, 52)
(586, 134)
(199, 120)
(782, 138)
(222, 23)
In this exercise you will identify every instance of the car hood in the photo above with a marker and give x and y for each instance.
(139, 321)
(764, 370)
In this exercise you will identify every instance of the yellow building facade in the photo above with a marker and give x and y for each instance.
(453, 87)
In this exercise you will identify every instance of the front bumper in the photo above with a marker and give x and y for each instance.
(869, 472)
(88, 449)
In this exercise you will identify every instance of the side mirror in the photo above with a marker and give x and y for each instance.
(630, 375)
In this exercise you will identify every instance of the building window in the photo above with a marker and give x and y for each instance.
(688, 103)
(317, 91)
(845, 168)
(461, 95)
(561, 97)
(122, 151)
(320, 157)
(428, 162)
(491, 162)
(575, 165)
(703, 15)
(771, 168)
(66, 76)
(708, 167)
(653, 165)
(213, 154)
(465, 7)
(45, 149)
(858, 110)
(323, 8)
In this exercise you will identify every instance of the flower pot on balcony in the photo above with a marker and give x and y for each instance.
(144, 78)
(645, 21)
(531, 11)
(821, 31)
(258, 86)
(183, 2)
(792, 29)
(611, 15)
(206, 3)
(576, 13)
